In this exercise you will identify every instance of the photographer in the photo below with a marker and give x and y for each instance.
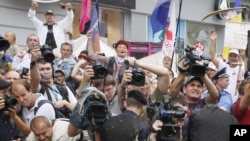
(42, 81)
(177, 119)
(11, 130)
(193, 87)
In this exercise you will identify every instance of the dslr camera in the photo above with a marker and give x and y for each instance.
(47, 53)
(99, 71)
(9, 102)
(165, 112)
(138, 77)
(192, 57)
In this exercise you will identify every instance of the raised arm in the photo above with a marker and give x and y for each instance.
(213, 92)
(35, 77)
(212, 51)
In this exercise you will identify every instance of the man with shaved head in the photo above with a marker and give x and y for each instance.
(43, 129)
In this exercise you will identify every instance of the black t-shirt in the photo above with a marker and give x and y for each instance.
(50, 40)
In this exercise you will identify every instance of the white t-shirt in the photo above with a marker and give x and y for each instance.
(233, 76)
(45, 110)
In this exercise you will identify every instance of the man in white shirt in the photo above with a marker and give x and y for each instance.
(22, 59)
(50, 32)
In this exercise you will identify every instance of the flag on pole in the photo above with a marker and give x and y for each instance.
(160, 15)
(85, 14)
(168, 42)
(94, 28)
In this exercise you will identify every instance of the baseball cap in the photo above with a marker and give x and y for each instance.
(49, 12)
(221, 74)
(139, 96)
(211, 66)
(4, 84)
(235, 51)
(193, 78)
(61, 71)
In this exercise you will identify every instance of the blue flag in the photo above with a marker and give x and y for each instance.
(160, 15)
(94, 27)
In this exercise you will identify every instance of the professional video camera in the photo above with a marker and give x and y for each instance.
(198, 63)
(47, 53)
(9, 102)
(99, 71)
(165, 112)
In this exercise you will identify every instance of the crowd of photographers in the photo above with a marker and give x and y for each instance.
(44, 96)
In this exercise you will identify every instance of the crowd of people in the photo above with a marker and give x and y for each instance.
(46, 96)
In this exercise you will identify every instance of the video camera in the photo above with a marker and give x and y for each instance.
(193, 57)
(9, 102)
(47, 53)
(165, 112)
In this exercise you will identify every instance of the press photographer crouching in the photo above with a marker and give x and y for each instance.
(10, 130)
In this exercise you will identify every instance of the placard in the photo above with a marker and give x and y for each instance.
(236, 35)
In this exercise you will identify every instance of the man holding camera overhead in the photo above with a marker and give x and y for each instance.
(50, 32)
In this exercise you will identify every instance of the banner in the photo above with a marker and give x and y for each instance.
(95, 29)
(85, 14)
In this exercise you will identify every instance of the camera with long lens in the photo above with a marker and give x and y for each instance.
(9, 102)
(138, 77)
(192, 57)
(47, 53)
(99, 71)
(165, 112)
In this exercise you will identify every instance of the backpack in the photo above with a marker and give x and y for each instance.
(58, 114)
(63, 91)
(213, 119)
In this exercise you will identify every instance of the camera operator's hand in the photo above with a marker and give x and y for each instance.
(21, 53)
(183, 66)
(34, 5)
(12, 112)
(157, 125)
(127, 77)
(88, 73)
(132, 61)
(2, 104)
(35, 54)
(213, 35)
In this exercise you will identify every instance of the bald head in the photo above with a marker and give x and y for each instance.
(38, 121)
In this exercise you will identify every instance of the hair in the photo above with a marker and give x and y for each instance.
(22, 82)
(84, 52)
(108, 80)
(132, 102)
(67, 44)
(32, 35)
(121, 42)
(242, 85)
(180, 98)
(36, 121)
(13, 34)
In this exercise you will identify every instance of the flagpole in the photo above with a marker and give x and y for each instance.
(176, 31)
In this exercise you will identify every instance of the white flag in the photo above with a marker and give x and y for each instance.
(168, 43)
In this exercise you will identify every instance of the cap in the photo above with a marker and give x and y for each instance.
(221, 74)
(4, 84)
(49, 12)
(120, 42)
(139, 96)
(61, 71)
(235, 51)
(193, 78)
(212, 66)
